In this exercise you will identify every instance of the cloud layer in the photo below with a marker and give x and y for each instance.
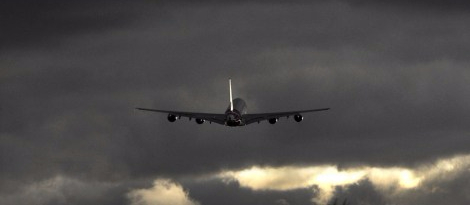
(163, 192)
(395, 75)
(392, 183)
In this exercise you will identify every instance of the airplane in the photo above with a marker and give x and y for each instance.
(235, 115)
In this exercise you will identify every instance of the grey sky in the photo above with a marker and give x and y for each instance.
(395, 75)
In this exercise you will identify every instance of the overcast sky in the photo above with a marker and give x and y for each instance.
(395, 74)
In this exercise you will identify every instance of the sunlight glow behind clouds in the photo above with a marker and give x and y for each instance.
(394, 183)
(389, 180)
(163, 192)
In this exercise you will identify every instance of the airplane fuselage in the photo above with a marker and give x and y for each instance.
(234, 117)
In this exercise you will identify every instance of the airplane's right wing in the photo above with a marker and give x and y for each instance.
(217, 118)
(251, 118)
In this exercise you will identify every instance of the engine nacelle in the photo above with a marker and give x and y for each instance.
(298, 118)
(273, 120)
(172, 118)
(199, 121)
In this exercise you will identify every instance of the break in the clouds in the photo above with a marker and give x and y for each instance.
(321, 184)
(392, 182)
(359, 185)
(163, 192)
(395, 75)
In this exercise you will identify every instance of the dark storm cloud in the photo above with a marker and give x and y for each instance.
(110, 87)
(44, 23)
(214, 192)
(418, 4)
(94, 120)
(439, 191)
(65, 190)
(449, 188)
(362, 192)
(396, 80)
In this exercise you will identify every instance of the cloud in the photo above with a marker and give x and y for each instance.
(429, 183)
(163, 192)
(72, 72)
(461, 5)
(81, 94)
(33, 24)
(213, 191)
(392, 182)
(68, 190)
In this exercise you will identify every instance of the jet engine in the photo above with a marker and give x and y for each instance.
(298, 118)
(172, 118)
(273, 120)
(199, 121)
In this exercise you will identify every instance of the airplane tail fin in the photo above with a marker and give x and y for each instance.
(230, 87)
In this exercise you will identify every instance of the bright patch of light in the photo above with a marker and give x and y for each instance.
(163, 192)
(285, 178)
(331, 176)
(408, 180)
(386, 178)
(389, 180)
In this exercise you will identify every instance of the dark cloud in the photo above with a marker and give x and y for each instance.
(66, 190)
(445, 188)
(214, 192)
(363, 192)
(42, 24)
(448, 187)
(396, 80)
(419, 4)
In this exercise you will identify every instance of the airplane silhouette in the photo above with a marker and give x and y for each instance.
(235, 115)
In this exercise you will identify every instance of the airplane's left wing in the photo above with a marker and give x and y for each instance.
(216, 118)
(251, 118)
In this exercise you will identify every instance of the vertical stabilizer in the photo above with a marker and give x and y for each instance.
(230, 87)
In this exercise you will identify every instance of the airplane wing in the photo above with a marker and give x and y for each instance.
(251, 118)
(216, 118)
